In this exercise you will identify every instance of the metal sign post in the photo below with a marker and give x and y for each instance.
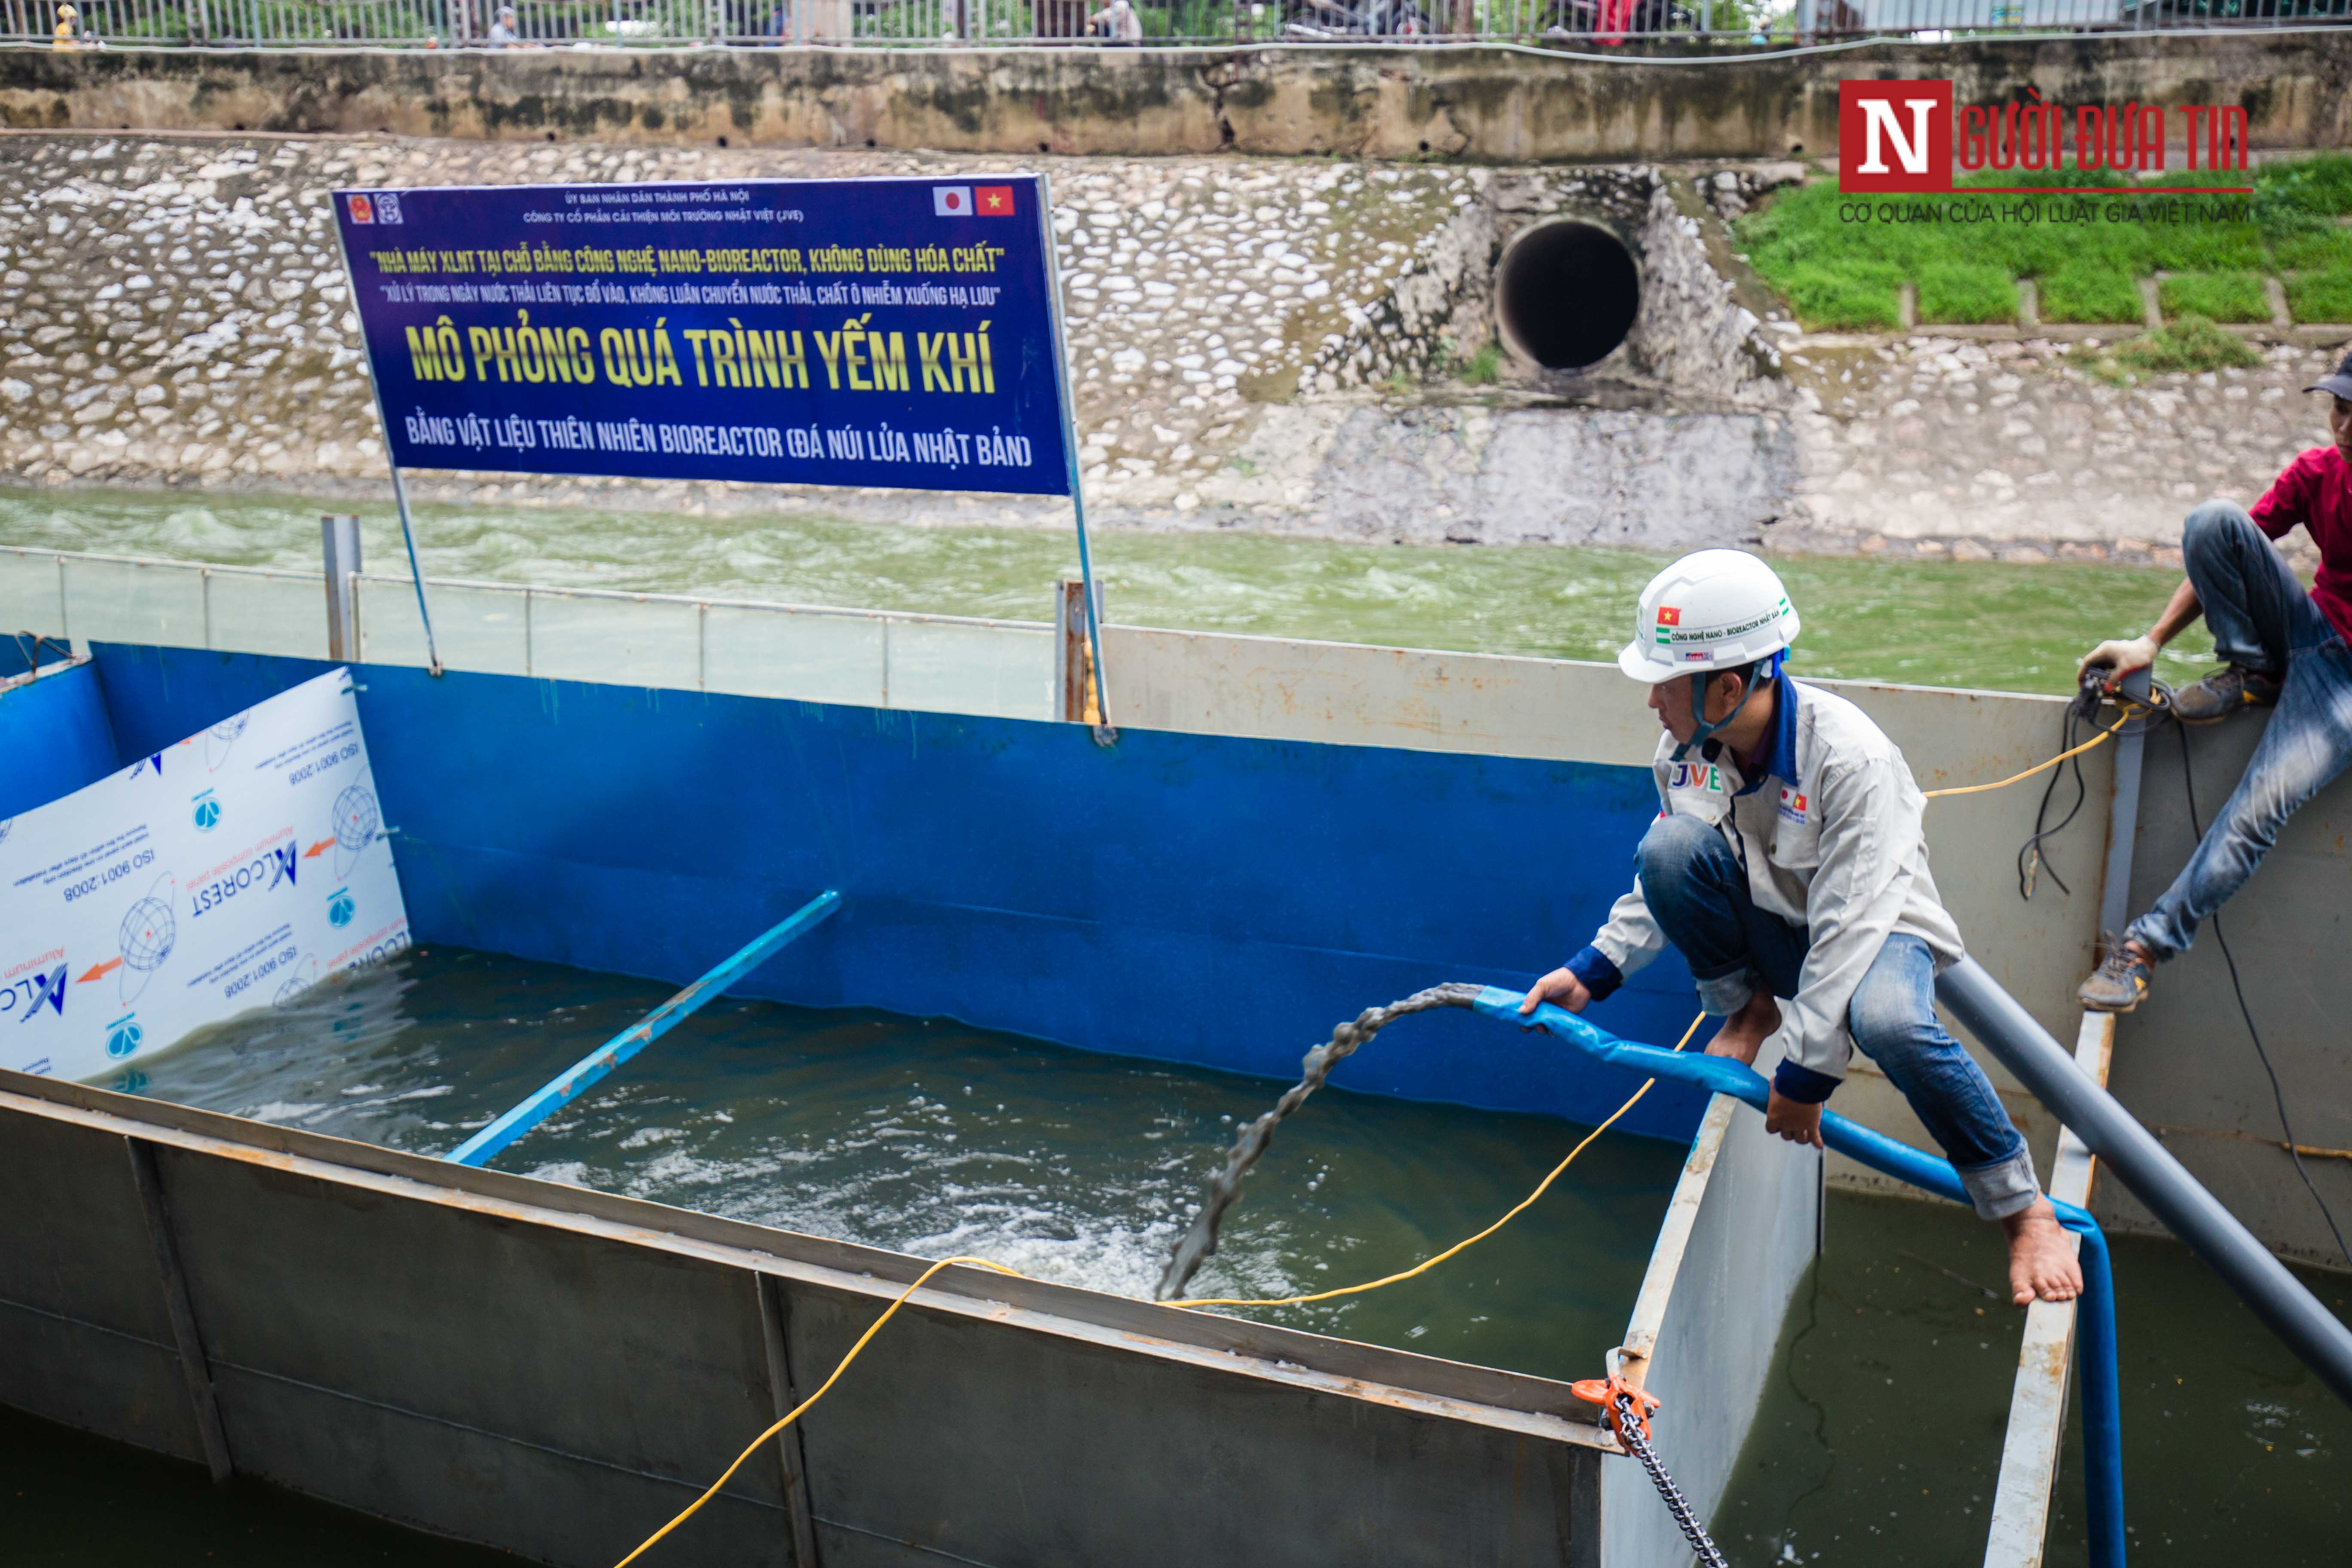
(1106, 733)
(416, 573)
(399, 490)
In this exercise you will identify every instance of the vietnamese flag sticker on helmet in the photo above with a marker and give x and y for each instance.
(993, 201)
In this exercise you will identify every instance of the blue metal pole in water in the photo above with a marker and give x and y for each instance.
(597, 1063)
(2101, 1409)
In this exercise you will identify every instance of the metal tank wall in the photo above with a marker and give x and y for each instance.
(55, 735)
(1744, 1226)
(620, 826)
(2185, 1062)
(1210, 899)
(1503, 711)
(558, 1372)
(519, 827)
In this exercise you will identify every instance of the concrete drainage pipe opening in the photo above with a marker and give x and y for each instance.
(1566, 295)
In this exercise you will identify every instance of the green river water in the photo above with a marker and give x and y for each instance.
(1880, 1433)
(1985, 624)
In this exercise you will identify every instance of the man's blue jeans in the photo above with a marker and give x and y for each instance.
(1697, 891)
(2259, 615)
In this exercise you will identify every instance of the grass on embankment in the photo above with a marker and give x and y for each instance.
(2190, 346)
(2321, 296)
(1838, 275)
(2216, 296)
(1965, 291)
(2092, 294)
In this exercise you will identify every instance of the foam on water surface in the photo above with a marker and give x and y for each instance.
(934, 1138)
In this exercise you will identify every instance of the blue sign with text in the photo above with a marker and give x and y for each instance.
(896, 332)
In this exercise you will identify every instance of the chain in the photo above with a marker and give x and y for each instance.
(1630, 1433)
(1226, 1187)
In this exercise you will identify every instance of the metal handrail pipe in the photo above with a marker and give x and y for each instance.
(2317, 1337)
(542, 590)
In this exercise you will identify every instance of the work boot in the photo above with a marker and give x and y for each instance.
(2227, 690)
(2119, 983)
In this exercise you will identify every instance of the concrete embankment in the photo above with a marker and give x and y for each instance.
(1467, 102)
(1274, 345)
(176, 314)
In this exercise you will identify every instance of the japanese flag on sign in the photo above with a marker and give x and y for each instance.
(951, 201)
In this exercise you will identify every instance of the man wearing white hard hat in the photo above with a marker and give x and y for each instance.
(1789, 867)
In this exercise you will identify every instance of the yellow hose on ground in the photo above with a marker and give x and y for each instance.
(797, 1411)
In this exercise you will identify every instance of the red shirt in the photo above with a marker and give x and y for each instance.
(2316, 491)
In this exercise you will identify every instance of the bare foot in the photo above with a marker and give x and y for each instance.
(2041, 1257)
(1745, 1032)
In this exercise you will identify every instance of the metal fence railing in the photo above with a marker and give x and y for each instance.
(624, 23)
(811, 653)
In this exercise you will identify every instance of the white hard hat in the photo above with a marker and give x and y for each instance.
(1717, 609)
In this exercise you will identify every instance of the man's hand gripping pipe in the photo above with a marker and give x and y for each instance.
(2102, 1413)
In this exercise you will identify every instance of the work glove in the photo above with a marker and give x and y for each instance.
(2122, 656)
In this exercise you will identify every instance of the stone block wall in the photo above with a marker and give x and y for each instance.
(1250, 340)
(1498, 105)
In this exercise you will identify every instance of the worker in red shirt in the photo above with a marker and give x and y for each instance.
(2283, 647)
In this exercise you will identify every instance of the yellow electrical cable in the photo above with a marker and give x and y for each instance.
(2099, 738)
(1429, 1264)
(797, 1411)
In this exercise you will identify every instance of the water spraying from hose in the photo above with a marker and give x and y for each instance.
(1200, 1243)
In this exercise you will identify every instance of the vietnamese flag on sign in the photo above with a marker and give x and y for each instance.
(993, 201)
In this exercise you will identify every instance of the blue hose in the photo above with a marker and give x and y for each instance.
(2103, 1424)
